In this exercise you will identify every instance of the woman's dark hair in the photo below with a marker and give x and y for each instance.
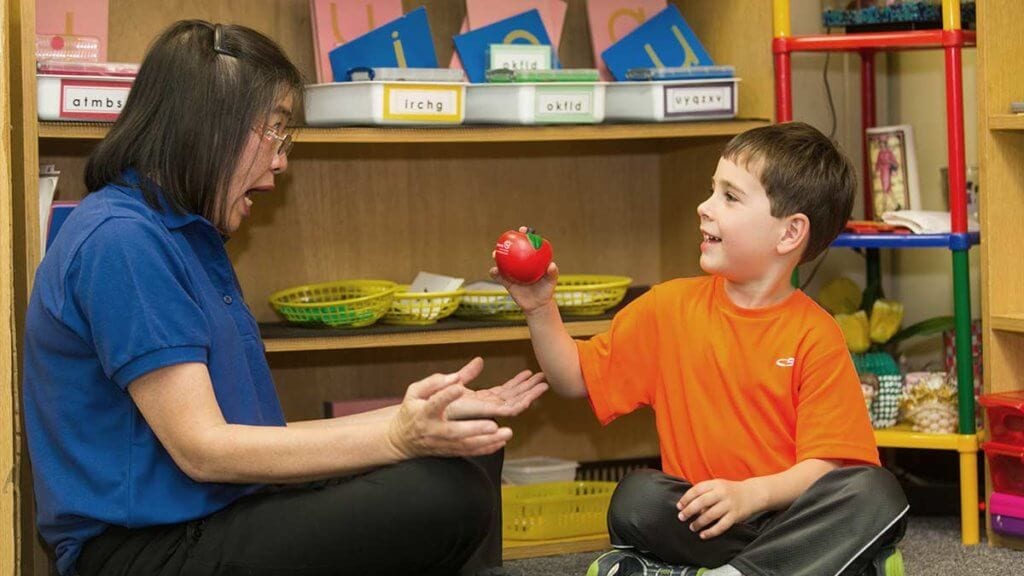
(201, 90)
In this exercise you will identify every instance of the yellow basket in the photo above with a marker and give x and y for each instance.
(489, 305)
(555, 510)
(589, 294)
(347, 304)
(421, 308)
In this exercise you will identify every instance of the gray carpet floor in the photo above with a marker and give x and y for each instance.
(931, 547)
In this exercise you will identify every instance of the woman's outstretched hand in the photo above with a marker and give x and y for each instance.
(506, 400)
(439, 416)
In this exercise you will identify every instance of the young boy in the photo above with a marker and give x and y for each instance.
(770, 464)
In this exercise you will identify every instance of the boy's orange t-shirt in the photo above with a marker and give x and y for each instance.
(736, 392)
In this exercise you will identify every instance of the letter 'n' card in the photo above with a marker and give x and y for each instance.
(664, 41)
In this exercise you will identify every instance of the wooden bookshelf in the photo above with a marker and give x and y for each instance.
(387, 203)
(1001, 152)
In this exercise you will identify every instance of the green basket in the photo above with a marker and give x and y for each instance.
(347, 304)
(885, 407)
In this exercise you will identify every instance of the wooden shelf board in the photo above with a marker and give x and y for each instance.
(518, 549)
(366, 135)
(903, 437)
(460, 335)
(1006, 122)
(1007, 322)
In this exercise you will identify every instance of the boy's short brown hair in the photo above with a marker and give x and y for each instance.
(803, 172)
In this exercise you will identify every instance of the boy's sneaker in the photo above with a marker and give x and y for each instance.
(629, 563)
(888, 562)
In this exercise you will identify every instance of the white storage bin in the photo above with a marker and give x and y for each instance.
(536, 103)
(81, 98)
(538, 469)
(385, 103)
(672, 100)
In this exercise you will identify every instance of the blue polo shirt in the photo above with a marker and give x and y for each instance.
(125, 290)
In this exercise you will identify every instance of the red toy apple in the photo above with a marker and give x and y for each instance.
(522, 256)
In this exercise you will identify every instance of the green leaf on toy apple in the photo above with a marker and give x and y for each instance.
(535, 240)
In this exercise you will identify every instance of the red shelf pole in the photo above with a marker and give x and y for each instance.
(868, 119)
(955, 135)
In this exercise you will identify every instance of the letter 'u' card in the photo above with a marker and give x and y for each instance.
(664, 41)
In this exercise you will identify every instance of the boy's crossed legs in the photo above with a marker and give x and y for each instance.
(839, 526)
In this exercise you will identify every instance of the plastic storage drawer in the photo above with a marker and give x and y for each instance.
(1005, 416)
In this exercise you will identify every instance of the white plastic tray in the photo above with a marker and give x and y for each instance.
(672, 100)
(536, 103)
(385, 103)
(80, 98)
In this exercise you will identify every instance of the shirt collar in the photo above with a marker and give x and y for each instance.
(130, 184)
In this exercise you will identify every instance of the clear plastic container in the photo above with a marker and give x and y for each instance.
(539, 469)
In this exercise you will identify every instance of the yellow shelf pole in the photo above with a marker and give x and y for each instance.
(780, 19)
(969, 529)
(950, 14)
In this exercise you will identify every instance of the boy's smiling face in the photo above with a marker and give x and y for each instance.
(740, 235)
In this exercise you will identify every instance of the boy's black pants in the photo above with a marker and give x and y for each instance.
(836, 527)
(430, 516)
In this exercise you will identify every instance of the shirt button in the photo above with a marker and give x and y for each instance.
(228, 300)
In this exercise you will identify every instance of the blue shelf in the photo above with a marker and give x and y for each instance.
(950, 241)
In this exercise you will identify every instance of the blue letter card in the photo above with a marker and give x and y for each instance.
(401, 43)
(473, 46)
(664, 41)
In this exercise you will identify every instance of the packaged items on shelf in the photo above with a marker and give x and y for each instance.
(930, 403)
(83, 91)
(888, 16)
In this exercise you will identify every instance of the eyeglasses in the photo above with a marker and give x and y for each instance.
(285, 145)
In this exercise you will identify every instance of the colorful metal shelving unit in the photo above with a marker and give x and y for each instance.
(951, 39)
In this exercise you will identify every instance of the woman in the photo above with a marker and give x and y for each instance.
(157, 440)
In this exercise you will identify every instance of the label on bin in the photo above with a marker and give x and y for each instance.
(698, 100)
(423, 103)
(564, 104)
(520, 57)
(92, 99)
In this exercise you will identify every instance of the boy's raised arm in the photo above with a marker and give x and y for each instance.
(555, 349)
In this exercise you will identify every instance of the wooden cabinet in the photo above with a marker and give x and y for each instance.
(1001, 142)
(388, 202)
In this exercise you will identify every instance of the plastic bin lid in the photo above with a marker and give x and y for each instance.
(539, 463)
(62, 68)
(1003, 449)
(1008, 504)
(1013, 399)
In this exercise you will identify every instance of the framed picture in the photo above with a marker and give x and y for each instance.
(892, 164)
